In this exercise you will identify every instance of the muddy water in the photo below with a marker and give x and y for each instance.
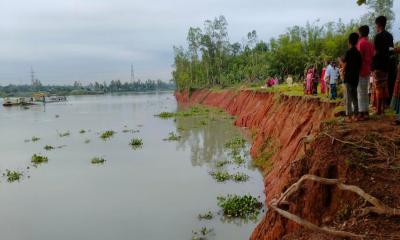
(155, 192)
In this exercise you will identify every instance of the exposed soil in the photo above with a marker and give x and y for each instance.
(287, 124)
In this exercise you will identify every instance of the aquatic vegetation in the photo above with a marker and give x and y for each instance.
(166, 115)
(35, 139)
(240, 177)
(98, 160)
(87, 141)
(236, 143)
(82, 131)
(65, 134)
(13, 176)
(38, 159)
(136, 143)
(107, 134)
(130, 131)
(220, 176)
(172, 137)
(57, 116)
(203, 123)
(201, 234)
(235, 206)
(237, 159)
(206, 216)
(222, 163)
(48, 147)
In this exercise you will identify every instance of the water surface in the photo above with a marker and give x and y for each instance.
(155, 192)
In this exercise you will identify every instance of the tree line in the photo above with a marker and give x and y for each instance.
(210, 59)
(91, 88)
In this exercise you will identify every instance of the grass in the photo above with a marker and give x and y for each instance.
(221, 176)
(222, 163)
(13, 176)
(240, 177)
(136, 143)
(238, 159)
(107, 134)
(38, 159)
(193, 111)
(65, 134)
(235, 206)
(236, 143)
(98, 160)
(35, 139)
(206, 216)
(48, 147)
(172, 137)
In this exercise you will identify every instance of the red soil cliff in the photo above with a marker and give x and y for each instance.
(287, 121)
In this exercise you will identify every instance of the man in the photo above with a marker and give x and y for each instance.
(384, 59)
(332, 77)
(352, 66)
(366, 50)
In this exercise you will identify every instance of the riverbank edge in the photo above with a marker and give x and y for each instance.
(279, 125)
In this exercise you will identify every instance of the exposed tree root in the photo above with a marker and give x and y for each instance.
(378, 207)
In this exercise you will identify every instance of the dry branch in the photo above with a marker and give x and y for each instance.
(378, 207)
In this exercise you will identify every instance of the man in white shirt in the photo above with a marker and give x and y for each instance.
(332, 75)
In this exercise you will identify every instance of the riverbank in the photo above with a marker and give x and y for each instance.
(284, 129)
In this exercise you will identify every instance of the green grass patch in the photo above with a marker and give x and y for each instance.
(98, 160)
(39, 159)
(136, 143)
(235, 206)
(48, 147)
(166, 115)
(206, 216)
(236, 143)
(13, 176)
(107, 134)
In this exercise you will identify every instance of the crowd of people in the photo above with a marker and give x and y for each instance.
(367, 73)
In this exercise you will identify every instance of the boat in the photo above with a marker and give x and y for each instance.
(18, 101)
(52, 99)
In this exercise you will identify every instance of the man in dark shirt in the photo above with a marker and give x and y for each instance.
(384, 59)
(352, 68)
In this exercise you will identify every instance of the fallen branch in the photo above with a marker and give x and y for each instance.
(378, 206)
(344, 142)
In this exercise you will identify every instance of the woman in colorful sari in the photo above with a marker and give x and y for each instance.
(396, 93)
(322, 80)
(309, 82)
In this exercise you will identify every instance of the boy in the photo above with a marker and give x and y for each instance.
(352, 67)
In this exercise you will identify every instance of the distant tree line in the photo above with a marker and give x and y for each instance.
(92, 88)
(210, 59)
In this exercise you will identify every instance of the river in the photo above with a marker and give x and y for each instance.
(155, 192)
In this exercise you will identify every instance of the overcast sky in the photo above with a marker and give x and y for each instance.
(98, 40)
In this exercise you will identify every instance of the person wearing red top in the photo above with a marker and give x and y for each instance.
(367, 51)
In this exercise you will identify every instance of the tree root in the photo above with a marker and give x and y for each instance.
(378, 207)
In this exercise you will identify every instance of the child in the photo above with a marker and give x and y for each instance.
(352, 67)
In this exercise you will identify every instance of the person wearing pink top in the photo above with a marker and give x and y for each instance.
(367, 51)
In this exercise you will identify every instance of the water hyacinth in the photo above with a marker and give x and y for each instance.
(98, 160)
(107, 134)
(136, 143)
(235, 206)
(13, 176)
(38, 159)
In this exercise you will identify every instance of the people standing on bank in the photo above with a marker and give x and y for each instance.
(352, 67)
(381, 66)
(322, 79)
(332, 75)
(366, 49)
(316, 80)
(396, 93)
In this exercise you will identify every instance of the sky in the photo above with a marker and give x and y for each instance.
(98, 40)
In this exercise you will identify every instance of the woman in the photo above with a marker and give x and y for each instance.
(309, 82)
(395, 104)
(322, 80)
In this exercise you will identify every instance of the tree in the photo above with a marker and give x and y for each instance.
(378, 8)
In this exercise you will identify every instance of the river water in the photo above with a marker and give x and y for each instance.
(155, 192)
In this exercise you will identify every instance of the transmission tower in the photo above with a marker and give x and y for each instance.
(132, 74)
(32, 77)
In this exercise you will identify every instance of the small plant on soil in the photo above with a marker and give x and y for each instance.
(206, 216)
(13, 176)
(82, 131)
(38, 159)
(240, 177)
(98, 160)
(172, 137)
(222, 163)
(136, 143)
(235, 206)
(48, 148)
(35, 139)
(220, 176)
(65, 134)
(107, 134)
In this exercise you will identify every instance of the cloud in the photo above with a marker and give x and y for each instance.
(99, 39)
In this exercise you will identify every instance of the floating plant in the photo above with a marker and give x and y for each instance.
(136, 143)
(235, 206)
(13, 176)
(48, 147)
(107, 134)
(98, 160)
(172, 137)
(38, 159)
